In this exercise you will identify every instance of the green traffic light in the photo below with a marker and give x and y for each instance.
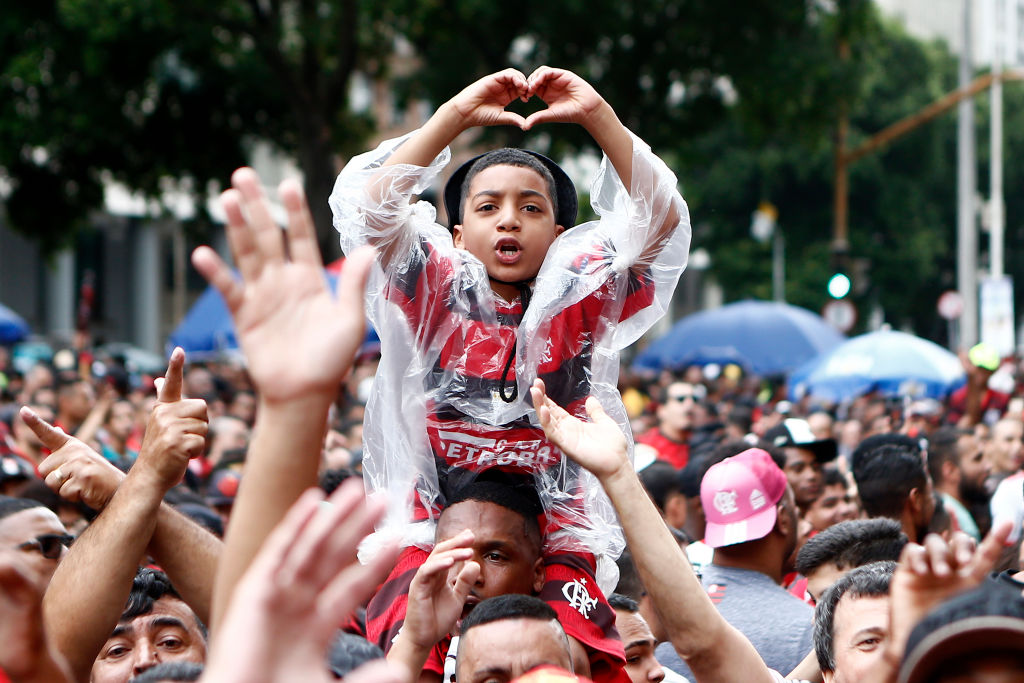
(838, 286)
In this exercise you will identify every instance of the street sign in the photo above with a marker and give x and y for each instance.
(951, 305)
(997, 325)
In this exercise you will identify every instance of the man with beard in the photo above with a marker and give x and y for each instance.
(958, 468)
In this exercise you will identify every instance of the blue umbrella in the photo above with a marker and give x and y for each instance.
(13, 327)
(207, 330)
(892, 363)
(764, 337)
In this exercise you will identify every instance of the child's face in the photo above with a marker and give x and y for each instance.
(508, 222)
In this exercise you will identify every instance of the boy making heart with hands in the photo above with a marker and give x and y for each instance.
(469, 316)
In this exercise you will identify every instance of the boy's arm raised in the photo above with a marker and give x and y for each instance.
(299, 342)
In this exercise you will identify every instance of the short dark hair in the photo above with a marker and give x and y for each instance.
(508, 606)
(831, 476)
(521, 500)
(887, 467)
(349, 651)
(37, 490)
(149, 586)
(9, 505)
(509, 156)
(624, 603)
(629, 584)
(660, 480)
(331, 479)
(741, 416)
(851, 544)
(871, 580)
(942, 448)
(170, 671)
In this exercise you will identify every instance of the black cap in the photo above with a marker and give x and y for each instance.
(13, 467)
(986, 620)
(568, 202)
(796, 433)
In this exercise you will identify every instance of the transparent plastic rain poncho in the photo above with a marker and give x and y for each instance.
(428, 300)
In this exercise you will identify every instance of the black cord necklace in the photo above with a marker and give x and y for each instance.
(524, 299)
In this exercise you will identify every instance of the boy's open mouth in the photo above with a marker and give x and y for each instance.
(508, 250)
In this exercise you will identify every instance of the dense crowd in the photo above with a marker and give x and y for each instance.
(211, 524)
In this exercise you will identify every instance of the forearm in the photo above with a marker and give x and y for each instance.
(614, 140)
(409, 656)
(657, 206)
(701, 636)
(430, 140)
(88, 591)
(808, 669)
(371, 199)
(188, 554)
(93, 421)
(282, 462)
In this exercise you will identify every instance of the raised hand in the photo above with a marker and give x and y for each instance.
(483, 102)
(73, 469)
(176, 430)
(598, 445)
(439, 590)
(302, 584)
(570, 99)
(936, 571)
(298, 339)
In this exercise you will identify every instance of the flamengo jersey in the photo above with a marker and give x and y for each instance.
(445, 337)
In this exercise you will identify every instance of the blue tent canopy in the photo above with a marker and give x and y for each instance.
(207, 329)
(763, 337)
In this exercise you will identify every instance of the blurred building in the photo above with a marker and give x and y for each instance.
(942, 19)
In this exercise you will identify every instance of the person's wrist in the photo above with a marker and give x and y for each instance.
(449, 119)
(298, 404)
(618, 475)
(409, 655)
(598, 118)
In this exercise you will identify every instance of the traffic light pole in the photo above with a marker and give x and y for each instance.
(967, 247)
(966, 188)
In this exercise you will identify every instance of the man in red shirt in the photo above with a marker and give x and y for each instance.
(671, 438)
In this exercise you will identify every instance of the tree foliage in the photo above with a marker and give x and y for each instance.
(146, 90)
(740, 98)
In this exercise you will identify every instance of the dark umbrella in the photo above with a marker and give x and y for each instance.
(764, 337)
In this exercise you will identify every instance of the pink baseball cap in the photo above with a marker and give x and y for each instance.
(739, 496)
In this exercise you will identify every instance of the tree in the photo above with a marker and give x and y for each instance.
(902, 206)
(145, 90)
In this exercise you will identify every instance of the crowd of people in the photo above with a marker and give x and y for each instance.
(213, 523)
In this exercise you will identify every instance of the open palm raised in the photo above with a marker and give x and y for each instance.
(599, 445)
(298, 337)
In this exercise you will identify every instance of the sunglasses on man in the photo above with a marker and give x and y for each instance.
(49, 546)
(697, 394)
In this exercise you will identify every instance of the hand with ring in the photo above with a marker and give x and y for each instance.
(73, 470)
